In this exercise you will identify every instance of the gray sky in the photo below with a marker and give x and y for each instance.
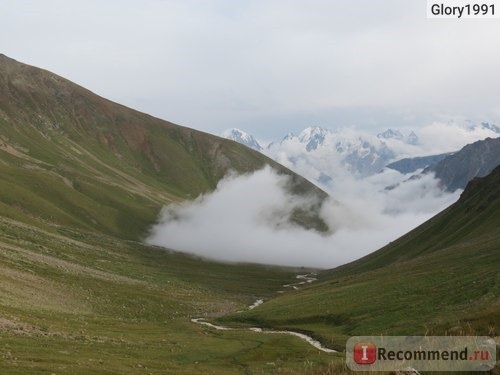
(266, 66)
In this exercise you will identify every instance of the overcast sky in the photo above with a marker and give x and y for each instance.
(268, 67)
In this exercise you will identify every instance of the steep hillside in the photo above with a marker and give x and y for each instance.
(474, 215)
(70, 157)
(82, 179)
(474, 160)
(442, 277)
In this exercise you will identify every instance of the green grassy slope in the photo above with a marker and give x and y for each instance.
(82, 179)
(84, 303)
(475, 216)
(442, 277)
(70, 157)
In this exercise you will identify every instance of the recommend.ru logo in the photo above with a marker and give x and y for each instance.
(424, 353)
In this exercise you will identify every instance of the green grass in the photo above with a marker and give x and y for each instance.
(441, 278)
(82, 179)
(75, 302)
(73, 158)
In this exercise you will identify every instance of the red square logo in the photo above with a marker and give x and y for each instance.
(365, 353)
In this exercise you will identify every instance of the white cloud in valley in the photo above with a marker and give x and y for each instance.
(245, 219)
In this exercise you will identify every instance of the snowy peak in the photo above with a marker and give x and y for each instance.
(364, 156)
(312, 132)
(357, 152)
(288, 137)
(242, 137)
(313, 137)
(391, 134)
(320, 154)
(412, 139)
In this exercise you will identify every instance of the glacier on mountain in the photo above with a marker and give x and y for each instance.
(242, 137)
(323, 155)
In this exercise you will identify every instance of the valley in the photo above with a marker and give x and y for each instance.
(75, 302)
(83, 180)
(441, 278)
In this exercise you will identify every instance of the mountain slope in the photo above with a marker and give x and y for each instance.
(442, 277)
(474, 160)
(475, 215)
(82, 179)
(70, 157)
(409, 165)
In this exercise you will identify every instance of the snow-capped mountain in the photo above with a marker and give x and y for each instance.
(412, 139)
(319, 153)
(242, 137)
(323, 155)
(391, 134)
(360, 153)
(312, 137)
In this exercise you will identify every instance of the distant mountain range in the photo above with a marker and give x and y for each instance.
(318, 153)
(411, 138)
(82, 180)
(360, 153)
(409, 165)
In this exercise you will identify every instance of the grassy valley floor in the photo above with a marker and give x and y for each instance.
(73, 302)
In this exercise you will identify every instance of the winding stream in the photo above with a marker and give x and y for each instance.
(305, 280)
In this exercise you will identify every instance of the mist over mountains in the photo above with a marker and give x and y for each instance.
(139, 237)
(363, 154)
(247, 219)
(352, 167)
(323, 155)
(132, 154)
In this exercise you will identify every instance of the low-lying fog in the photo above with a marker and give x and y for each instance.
(246, 219)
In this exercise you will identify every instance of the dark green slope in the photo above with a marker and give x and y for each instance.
(70, 157)
(474, 216)
(443, 277)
